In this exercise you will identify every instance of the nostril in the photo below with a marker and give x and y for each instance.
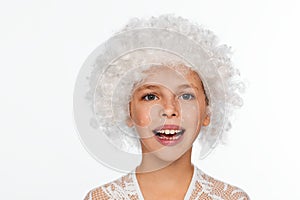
(165, 115)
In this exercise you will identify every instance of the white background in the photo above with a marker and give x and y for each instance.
(44, 43)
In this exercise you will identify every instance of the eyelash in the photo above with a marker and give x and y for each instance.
(191, 96)
(146, 97)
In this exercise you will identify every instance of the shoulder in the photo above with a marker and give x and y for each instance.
(120, 188)
(208, 186)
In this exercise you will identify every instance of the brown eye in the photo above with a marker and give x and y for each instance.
(149, 97)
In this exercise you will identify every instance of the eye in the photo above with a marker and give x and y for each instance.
(187, 97)
(149, 97)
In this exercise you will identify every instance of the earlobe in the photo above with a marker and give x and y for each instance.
(206, 121)
(129, 122)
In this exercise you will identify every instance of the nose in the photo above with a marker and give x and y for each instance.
(170, 108)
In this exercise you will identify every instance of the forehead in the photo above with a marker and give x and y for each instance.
(171, 77)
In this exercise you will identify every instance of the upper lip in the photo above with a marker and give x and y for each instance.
(169, 127)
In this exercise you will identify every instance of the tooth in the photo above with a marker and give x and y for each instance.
(172, 132)
(167, 132)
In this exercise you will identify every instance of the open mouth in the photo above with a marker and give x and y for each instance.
(169, 134)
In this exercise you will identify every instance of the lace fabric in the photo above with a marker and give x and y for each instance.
(202, 186)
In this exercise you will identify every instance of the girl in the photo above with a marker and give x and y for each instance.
(157, 86)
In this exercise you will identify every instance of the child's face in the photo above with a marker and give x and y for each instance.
(168, 109)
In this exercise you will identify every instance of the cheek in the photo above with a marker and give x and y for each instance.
(190, 111)
(191, 117)
(140, 116)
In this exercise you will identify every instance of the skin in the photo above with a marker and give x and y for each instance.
(168, 95)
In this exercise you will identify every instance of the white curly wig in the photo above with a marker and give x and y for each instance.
(113, 68)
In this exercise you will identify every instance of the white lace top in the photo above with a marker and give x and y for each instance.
(202, 186)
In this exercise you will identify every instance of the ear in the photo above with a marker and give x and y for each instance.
(129, 122)
(206, 121)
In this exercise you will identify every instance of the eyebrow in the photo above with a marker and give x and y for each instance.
(147, 87)
(186, 86)
(152, 87)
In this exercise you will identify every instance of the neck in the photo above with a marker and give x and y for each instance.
(157, 170)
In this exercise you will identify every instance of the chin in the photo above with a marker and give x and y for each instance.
(169, 155)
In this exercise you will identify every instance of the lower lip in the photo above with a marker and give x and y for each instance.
(169, 141)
